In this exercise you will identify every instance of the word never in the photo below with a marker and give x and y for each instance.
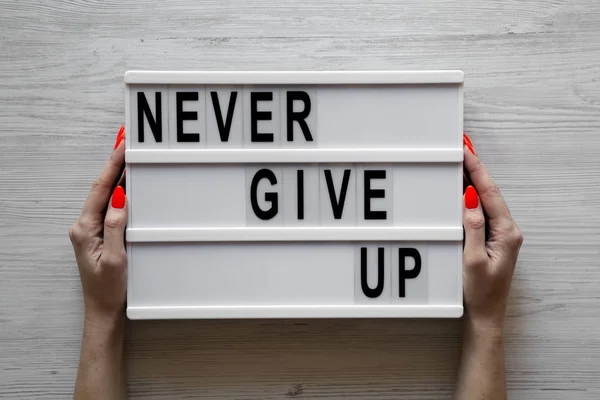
(224, 124)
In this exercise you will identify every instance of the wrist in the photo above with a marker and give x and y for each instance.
(490, 329)
(103, 323)
(98, 312)
(485, 318)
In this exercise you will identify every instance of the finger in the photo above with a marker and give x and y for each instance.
(474, 223)
(114, 226)
(101, 189)
(491, 199)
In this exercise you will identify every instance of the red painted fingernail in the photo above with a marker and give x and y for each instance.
(471, 198)
(466, 139)
(118, 197)
(120, 136)
(470, 147)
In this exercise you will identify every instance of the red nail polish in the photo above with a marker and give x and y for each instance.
(118, 197)
(471, 198)
(119, 139)
(470, 147)
(120, 136)
(466, 139)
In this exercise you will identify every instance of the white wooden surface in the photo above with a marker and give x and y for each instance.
(532, 107)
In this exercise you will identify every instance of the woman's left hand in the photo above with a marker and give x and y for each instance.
(98, 240)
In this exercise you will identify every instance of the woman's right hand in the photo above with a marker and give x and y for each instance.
(488, 263)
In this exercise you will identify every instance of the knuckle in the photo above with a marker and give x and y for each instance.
(492, 189)
(475, 222)
(76, 233)
(112, 223)
(98, 184)
(114, 260)
(516, 236)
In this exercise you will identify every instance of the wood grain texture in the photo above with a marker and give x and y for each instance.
(532, 108)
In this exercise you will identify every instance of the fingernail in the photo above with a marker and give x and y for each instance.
(118, 197)
(466, 139)
(120, 136)
(470, 147)
(471, 198)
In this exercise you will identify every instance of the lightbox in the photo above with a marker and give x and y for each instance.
(294, 194)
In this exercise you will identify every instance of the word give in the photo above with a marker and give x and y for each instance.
(338, 191)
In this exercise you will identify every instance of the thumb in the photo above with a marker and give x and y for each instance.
(474, 223)
(114, 226)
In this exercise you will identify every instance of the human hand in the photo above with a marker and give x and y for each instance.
(488, 263)
(98, 240)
